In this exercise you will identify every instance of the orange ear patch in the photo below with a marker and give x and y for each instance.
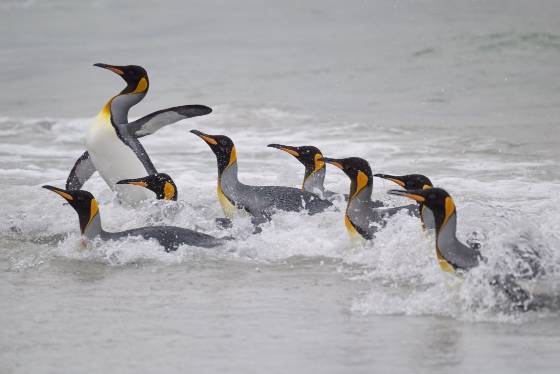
(319, 163)
(232, 156)
(168, 191)
(94, 209)
(142, 86)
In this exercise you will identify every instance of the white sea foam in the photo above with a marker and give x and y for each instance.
(400, 264)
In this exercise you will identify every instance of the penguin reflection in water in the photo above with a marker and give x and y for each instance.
(259, 201)
(454, 256)
(363, 217)
(113, 148)
(169, 237)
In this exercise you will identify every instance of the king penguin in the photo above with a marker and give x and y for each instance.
(454, 256)
(363, 217)
(169, 237)
(112, 144)
(259, 201)
(161, 184)
(315, 168)
(414, 182)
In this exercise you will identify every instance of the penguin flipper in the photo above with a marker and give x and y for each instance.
(154, 121)
(83, 170)
(137, 148)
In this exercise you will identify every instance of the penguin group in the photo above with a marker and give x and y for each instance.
(114, 150)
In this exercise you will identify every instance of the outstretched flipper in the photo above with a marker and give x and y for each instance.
(137, 147)
(153, 122)
(83, 170)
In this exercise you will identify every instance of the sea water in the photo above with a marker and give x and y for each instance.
(464, 92)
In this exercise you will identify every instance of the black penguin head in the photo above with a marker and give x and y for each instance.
(161, 184)
(357, 169)
(409, 182)
(351, 166)
(223, 148)
(135, 77)
(310, 156)
(436, 199)
(83, 203)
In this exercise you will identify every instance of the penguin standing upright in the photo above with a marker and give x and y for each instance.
(112, 144)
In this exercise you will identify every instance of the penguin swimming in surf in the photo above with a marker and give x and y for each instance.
(169, 237)
(161, 184)
(259, 201)
(454, 256)
(414, 182)
(363, 217)
(315, 168)
(112, 144)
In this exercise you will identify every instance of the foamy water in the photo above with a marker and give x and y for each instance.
(463, 95)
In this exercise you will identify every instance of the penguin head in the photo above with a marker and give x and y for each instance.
(409, 182)
(223, 148)
(436, 199)
(135, 77)
(83, 203)
(161, 184)
(357, 169)
(353, 167)
(310, 156)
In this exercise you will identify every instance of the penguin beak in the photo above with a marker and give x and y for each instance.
(65, 194)
(114, 69)
(418, 195)
(392, 178)
(333, 161)
(286, 148)
(136, 182)
(207, 138)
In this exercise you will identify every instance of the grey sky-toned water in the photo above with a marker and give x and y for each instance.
(466, 92)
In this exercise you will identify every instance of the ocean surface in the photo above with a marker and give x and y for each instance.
(466, 92)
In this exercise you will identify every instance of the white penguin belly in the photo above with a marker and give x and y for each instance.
(115, 161)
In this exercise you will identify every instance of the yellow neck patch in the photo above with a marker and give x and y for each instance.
(426, 186)
(350, 227)
(443, 264)
(228, 208)
(93, 211)
(141, 87)
(168, 191)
